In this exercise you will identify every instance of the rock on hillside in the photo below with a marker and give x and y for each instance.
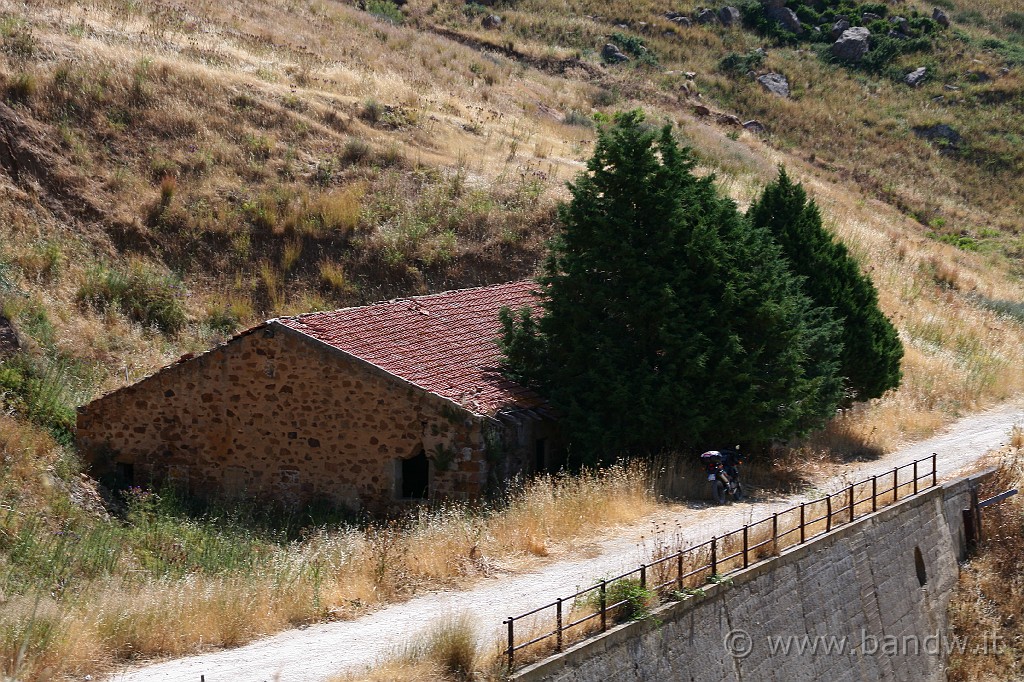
(853, 44)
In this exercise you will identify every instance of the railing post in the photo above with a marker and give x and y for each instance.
(558, 625)
(775, 533)
(643, 576)
(895, 483)
(604, 617)
(828, 513)
(874, 493)
(915, 476)
(803, 536)
(935, 469)
(511, 643)
(746, 544)
(714, 557)
(679, 568)
(852, 498)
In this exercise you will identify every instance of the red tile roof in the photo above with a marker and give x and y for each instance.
(444, 343)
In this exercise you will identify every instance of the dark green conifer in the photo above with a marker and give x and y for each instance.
(870, 360)
(667, 321)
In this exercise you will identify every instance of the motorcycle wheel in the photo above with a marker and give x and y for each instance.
(718, 492)
(737, 494)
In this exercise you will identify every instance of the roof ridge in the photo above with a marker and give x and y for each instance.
(400, 299)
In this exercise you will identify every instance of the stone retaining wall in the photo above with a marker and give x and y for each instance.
(884, 580)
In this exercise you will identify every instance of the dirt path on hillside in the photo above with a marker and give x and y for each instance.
(320, 651)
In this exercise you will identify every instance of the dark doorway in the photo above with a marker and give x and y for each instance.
(124, 475)
(540, 461)
(416, 477)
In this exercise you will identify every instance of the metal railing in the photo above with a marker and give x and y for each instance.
(690, 568)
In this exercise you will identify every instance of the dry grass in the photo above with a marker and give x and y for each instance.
(232, 143)
(447, 651)
(989, 599)
(113, 604)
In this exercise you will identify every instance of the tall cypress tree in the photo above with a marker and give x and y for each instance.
(870, 360)
(667, 320)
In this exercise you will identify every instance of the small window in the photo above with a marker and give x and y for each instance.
(540, 461)
(922, 574)
(414, 474)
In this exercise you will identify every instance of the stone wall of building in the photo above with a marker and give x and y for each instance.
(274, 415)
(865, 602)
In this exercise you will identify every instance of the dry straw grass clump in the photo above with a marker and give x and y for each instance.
(446, 651)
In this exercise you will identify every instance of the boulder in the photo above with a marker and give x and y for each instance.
(774, 83)
(868, 17)
(729, 16)
(728, 120)
(706, 16)
(787, 18)
(940, 18)
(682, 21)
(701, 110)
(853, 45)
(491, 21)
(900, 24)
(612, 54)
(839, 27)
(755, 127)
(916, 77)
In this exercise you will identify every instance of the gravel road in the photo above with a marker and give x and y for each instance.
(317, 652)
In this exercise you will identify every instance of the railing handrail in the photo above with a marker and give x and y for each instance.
(715, 563)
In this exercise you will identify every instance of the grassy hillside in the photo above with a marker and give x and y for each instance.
(170, 173)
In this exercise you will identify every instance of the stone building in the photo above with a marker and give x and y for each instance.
(363, 407)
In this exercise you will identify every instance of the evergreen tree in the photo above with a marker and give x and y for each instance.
(666, 319)
(870, 360)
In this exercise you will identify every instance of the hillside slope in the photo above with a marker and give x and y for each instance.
(172, 172)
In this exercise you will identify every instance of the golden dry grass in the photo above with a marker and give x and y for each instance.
(262, 152)
(988, 599)
(446, 651)
(126, 613)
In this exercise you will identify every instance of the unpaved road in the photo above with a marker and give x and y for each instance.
(318, 652)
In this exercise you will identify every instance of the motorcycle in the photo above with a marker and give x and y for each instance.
(722, 469)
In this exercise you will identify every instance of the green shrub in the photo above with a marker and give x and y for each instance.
(42, 391)
(372, 111)
(961, 241)
(143, 294)
(1014, 21)
(474, 10)
(635, 47)
(738, 64)
(637, 599)
(356, 151)
(386, 10)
